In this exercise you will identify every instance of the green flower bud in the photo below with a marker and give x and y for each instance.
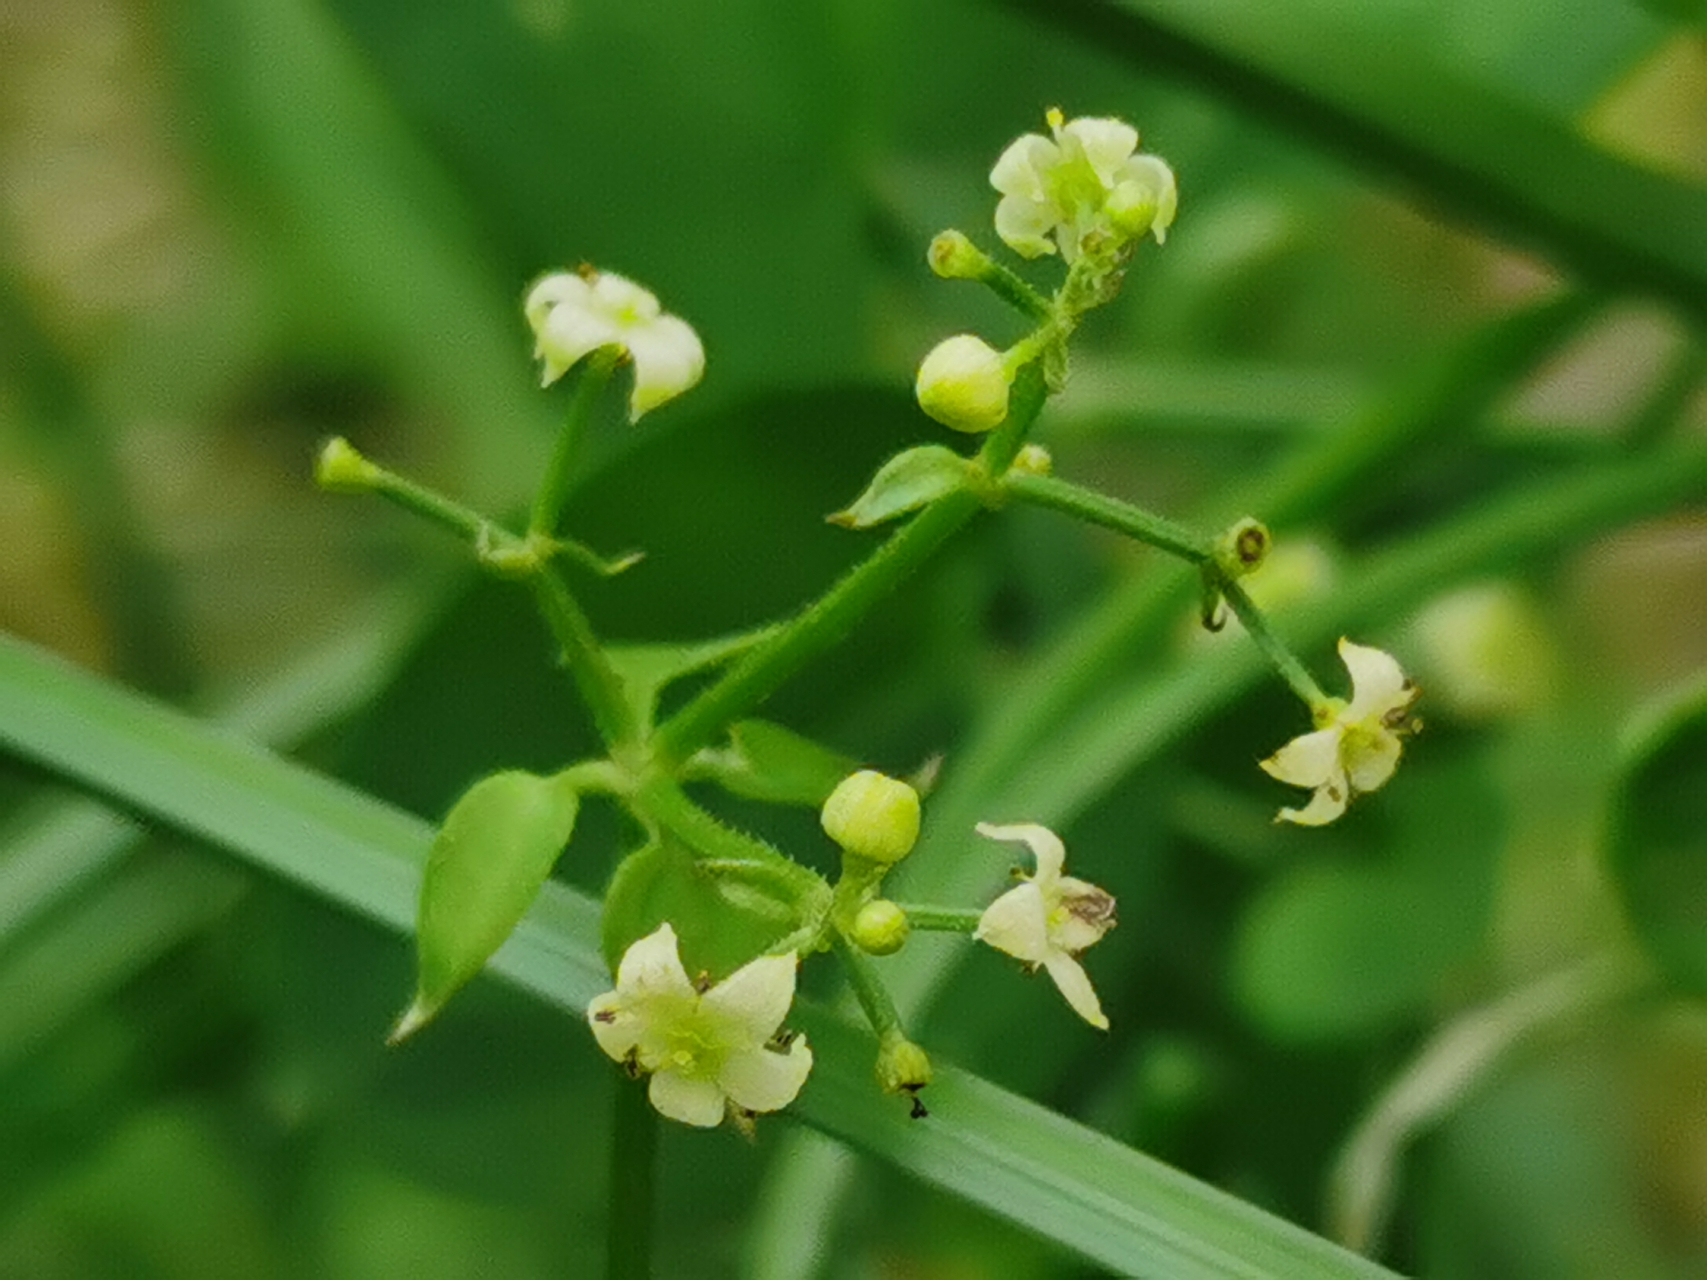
(1033, 460)
(902, 1067)
(963, 384)
(954, 257)
(873, 816)
(880, 927)
(341, 469)
(1243, 548)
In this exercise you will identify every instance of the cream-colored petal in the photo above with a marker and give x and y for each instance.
(624, 301)
(1073, 982)
(1107, 144)
(1017, 923)
(568, 333)
(651, 969)
(1377, 684)
(1024, 225)
(552, 290)
(1370, 757)
(747, 1007)
(1044, 844)
(668, 360)
(1308, 760)
(695, 1102)
(1023, 168)
(1158, 177)
(1326, 805)
(765, 1080)
(617, 1030)
(1084, 915)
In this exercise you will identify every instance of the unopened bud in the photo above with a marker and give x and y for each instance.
(873, 816)
(880, 927)
(1032, 460)
(963, 384)
(954, 257)
(340, 468)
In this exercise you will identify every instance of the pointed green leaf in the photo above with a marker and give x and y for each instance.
(765, 761)
(1657, 834)
(905, 483)
(487, 864)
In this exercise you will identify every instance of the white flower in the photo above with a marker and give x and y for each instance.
(573, 315)
(1084, 179)
(1359, 743)
(1049, 918)
(705, 1049)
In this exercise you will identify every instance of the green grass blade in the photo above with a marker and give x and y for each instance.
(1018, 1160)
(1447, 138)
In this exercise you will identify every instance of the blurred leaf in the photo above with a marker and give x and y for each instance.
(766, 761)
(646, 669)
(1657, 834)
(1021, 1161)
(1449, 140)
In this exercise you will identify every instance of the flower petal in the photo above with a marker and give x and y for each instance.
(1024, 225)
(1075, 985)
(695, 1102)
(1017, 923)
(1371, 755)
(749, 1005)
(651, 969)
(568, 333)
(1106, 143)
(1155, 174)
(668, 360)
(622, 301)
(1326, 805)
(765, 1080)
(616, 1029)
(553, 290)
(1377, 684)
(1044, 844)
(1309, 760)
(1087, 912)
(1022, 169)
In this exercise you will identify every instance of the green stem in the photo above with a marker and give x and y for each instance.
(874, 998)
(1014, 291)
(463, 521)
(941, 919)
(1274, 648)
(1110, 513)
(721, 847)
(554, 486)
(599, 685)
(824, 622)
(633, 1165)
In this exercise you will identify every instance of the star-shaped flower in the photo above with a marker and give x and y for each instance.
(1050, 918)
(1358, 744)
(1085, 178)
(574, 314)
(705, 1049)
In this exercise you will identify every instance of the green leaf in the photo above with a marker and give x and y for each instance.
(496, 848)
(647, 669)
(1657, 833)
(765, 761)
(905, 483)
(1078, 1188)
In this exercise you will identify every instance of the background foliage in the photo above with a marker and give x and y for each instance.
(231, 227)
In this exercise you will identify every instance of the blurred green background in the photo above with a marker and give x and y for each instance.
(229, 228)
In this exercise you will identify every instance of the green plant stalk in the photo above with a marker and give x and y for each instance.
(559, 471)
(465, 522)
(597, 681)
(633, 1168)
(941, 919)
(1274, 648)
(826, 621)
(718, 846)
(1014, 291)
(1110, 513)
(874, 998)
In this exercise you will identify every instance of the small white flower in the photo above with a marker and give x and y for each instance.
(573, 315)
(1050, 918)
(1082, 180)
(704, 1049)
(1358, 744)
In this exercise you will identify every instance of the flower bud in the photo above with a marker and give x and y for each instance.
(880, 927)
(954, 257)
(873, 816)
(1033, 460)
(340, 468)
(963, 384)
(1243, 547)
(902, 1067)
